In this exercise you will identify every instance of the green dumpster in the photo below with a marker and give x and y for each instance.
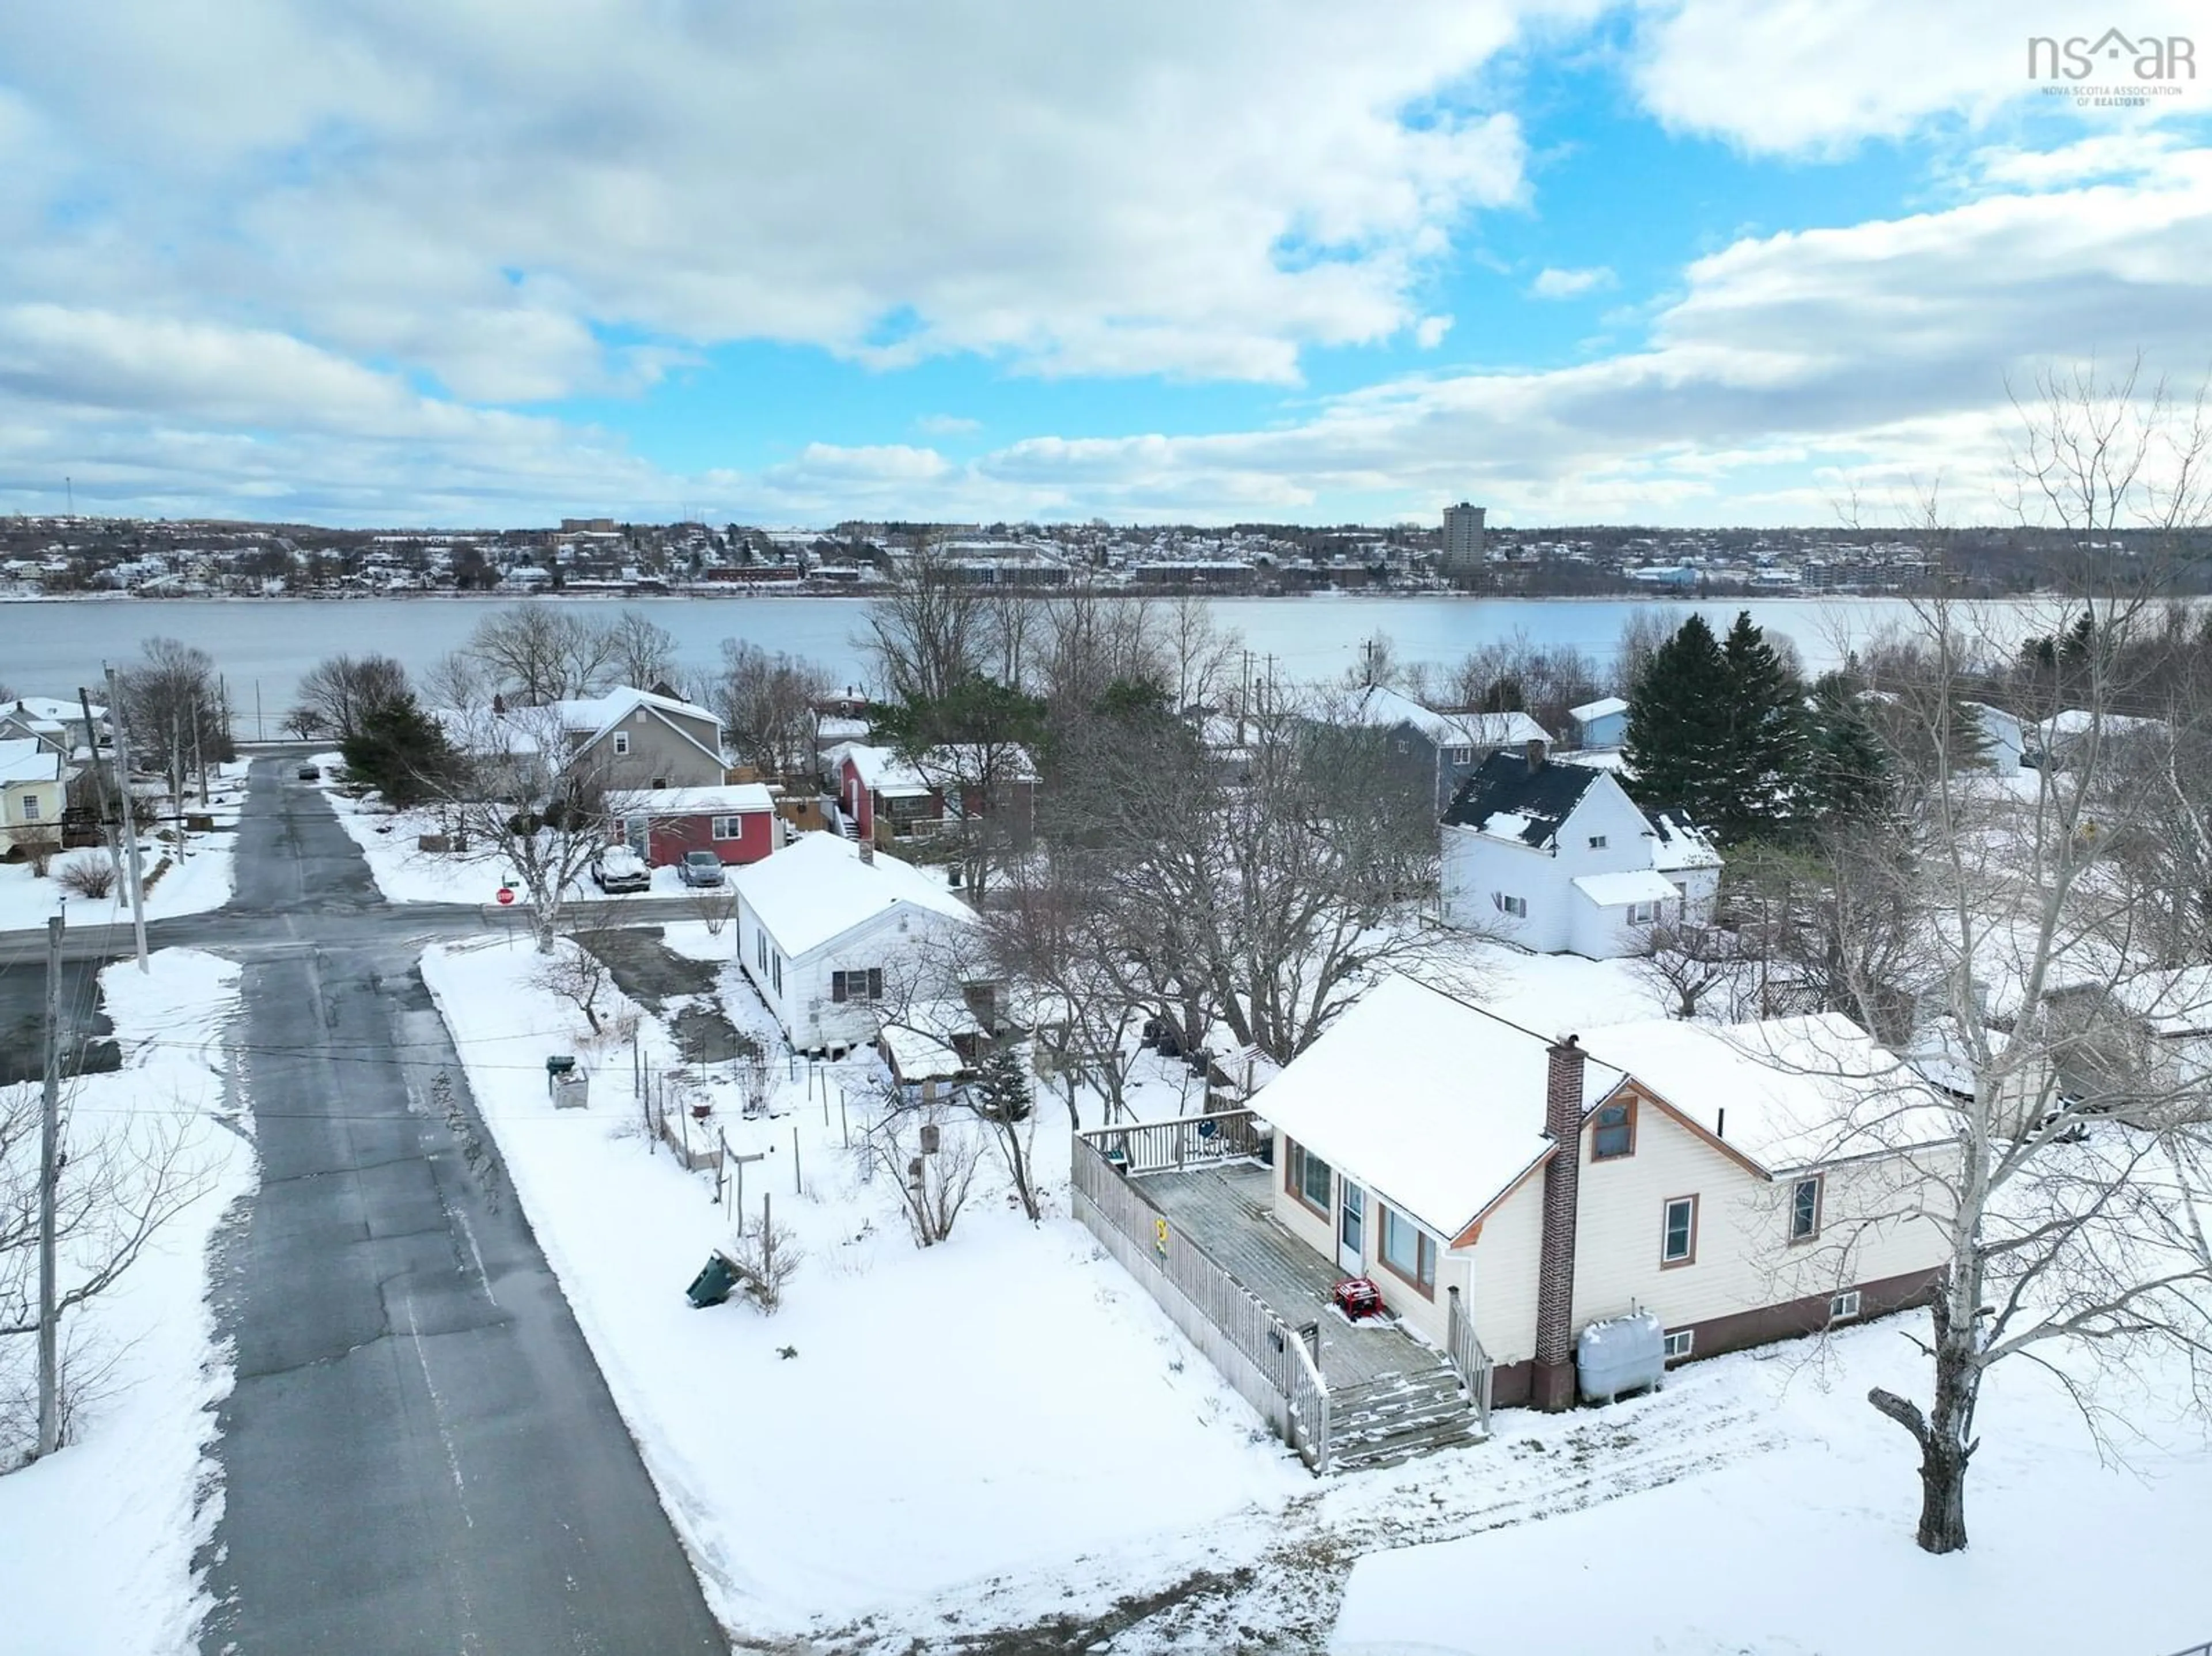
(714, 1283)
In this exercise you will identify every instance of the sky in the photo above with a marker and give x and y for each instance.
(488, 263)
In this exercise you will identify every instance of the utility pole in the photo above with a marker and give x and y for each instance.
(50, 1132)
(99, 782)
(177, 786)
(130, 815)
(199, 760)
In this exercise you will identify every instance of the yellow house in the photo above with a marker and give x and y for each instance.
(33, 782)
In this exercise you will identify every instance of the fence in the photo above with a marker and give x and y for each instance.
(1261, 1355)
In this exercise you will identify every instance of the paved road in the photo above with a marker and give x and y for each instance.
(420, 1454)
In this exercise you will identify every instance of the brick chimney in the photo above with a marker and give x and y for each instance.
(1554, 1387)
(867, 851)
(1535, 750)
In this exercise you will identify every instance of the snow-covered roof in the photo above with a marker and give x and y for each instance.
(54, 708)
(881, 771)
(593, 714)
(835, 727)
(1508, 799)
(1381, 708)
(1679, 843)
(1641, 885)
(918, 1057)
(1787, 1092)
(1011, 762)
(819, 888)
(1604, 708)
(731, 798)
(1433, 1104)
(2076, 721)
(25, 760)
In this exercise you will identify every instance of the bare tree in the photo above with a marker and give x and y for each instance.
(1686, 961)
(337, 694)
(575, 972)
(932, 631)
(930, 1154)
(766, 702)
(2073, 1221)
(117, 1190)
(767, 1254)
(642, 652)
(536, 653)
(173, 702)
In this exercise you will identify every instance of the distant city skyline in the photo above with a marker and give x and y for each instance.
(1706, 262)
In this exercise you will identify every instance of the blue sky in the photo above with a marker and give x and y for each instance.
(1692, 261)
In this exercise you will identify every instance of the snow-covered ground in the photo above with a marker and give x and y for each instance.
(406, 874)
(1806, 1546)
(96, 1542)
(199, 880)
(918, 1432)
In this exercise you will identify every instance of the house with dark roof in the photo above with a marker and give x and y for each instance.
(1442, 748)
(1558, 859)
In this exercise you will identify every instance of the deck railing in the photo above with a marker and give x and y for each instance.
(1187, 1141)
(1259, 1354)
(1468, 1357)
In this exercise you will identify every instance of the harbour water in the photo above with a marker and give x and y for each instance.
(263, 646)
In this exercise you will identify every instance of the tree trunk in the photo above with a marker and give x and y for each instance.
(1943, 1434)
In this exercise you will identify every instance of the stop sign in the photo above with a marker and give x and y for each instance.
(506, 895)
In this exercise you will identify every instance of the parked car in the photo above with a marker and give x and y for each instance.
(311, 772)
(701, 868)
(620, 869)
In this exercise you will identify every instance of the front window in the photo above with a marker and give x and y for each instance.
(1516, 907)
(866, 985)
(1805, 1209)
(1309, 1178)
(1462, 755)
(1678, 1243)
(621, 742)
(1644, 914)
(1616, 1132)
(1597, 842)
(729, 827)
(31, 811)
(1408, 1251)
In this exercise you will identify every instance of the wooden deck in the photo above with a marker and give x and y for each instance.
(1225, 1210)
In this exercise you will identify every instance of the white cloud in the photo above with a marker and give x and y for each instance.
(1820, 76)
(1429, 332)
(490, 192)
(1554, 283)
(947, 425)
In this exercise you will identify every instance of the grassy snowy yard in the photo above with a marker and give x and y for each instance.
(96, 1542)
(992, 1407)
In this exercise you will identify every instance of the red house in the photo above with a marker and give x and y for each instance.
(736, 822)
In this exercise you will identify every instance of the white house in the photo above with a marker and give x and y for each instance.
(2003, 741)
(1707, 1176)
(1601, 723)
(829, 931)
(2070, 736)
(1557, 858)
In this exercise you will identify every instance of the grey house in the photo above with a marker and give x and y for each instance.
(1446, 747)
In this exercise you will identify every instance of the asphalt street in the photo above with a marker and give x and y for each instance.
(419, 1454)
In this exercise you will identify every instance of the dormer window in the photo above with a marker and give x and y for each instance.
(621, 742)
(1597, 842)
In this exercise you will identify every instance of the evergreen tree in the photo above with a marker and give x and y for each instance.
(1848, 767)
(1768, 747)
(399, 751)
(1677, 743)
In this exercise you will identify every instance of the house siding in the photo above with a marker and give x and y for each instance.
(20, 825)
(810, 1017)
(1476, 865)
(660, 755)
(670, 837)
(1502, 1269)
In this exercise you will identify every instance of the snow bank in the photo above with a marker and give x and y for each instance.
(993, 1407)
(96, 1542)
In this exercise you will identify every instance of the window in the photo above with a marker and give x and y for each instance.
(621, 742)
(1308, 1178)
(760, 949)
(1678, 1342)
(1462, 755)
(1402, 747)
(1597, 842)
(729, 827)
(857, 986)
(31, 811)
(1517, 907)
(659, 782)
(1616, 1132)
(1678, 1244)
(1409, 1251)
(1805, 1209)
(1843, 1306)
(776, 971)
(1644, 914)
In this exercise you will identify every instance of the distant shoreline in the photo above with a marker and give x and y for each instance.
(1760, 595)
